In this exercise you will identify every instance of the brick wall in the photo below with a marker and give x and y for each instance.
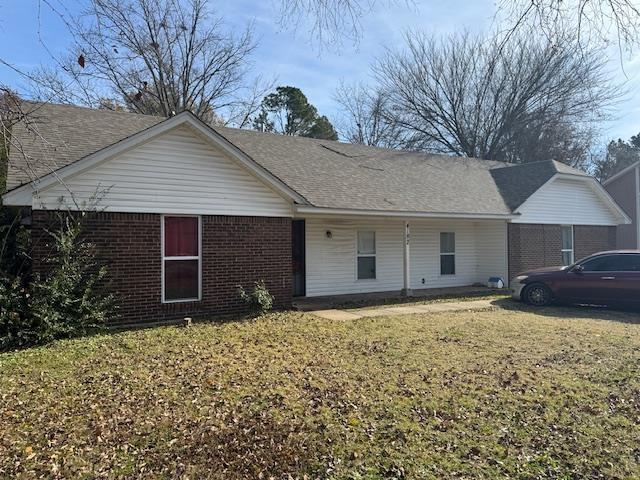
(235, 250)
(533, 246)
(536, 246)
(592, 239)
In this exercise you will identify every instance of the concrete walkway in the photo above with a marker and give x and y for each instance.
(438, 307)
(361, 300)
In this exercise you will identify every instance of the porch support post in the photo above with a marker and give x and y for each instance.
(406, 291)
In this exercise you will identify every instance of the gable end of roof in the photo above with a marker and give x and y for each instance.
(517, 183)
(21, 192)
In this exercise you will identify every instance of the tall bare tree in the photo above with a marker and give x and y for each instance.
(588, 20)
(366, 118)
(470, 96)
(8, 116)
(154, 56)
(332, 21)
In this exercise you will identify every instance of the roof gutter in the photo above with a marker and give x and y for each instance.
(305, 209)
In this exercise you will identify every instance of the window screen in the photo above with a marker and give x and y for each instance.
(567, 245)
(366, 255)
(181, 259)
(447, 253)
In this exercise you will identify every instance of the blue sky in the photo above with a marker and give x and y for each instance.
(287, 54)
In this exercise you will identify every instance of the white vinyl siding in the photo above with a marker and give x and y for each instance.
(178, 172)
(566, 202)
(491, 251)
(331, 262)
(425, 254)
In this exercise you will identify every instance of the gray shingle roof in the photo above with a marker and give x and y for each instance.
(338, 175)
(57, 135)
(516, 183)
(328, 174)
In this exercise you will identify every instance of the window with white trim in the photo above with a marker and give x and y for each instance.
(181, 258)
(447, 253)
(366, 255)
(567, 245)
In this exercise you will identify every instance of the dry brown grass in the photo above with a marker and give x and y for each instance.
(496, 394)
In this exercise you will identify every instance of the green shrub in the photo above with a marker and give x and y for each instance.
(15, 243)
(62, 304)
(259, 301)
(15, 326)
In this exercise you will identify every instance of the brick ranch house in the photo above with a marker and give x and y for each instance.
(188, 211)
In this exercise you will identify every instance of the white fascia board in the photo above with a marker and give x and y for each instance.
(310, 210)
(604, 195)
(19, 197)
(621, 173)
(184, 118)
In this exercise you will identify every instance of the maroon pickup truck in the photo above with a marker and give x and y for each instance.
(605, 278)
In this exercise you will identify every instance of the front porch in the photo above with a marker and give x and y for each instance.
(362, 260)
(357, 300)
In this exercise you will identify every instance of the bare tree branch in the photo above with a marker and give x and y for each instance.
(604, 21)
(517, 101)
(365, 117)
(332, 22)
(153, 56)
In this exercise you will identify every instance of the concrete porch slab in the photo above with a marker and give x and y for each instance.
(335, 314)
(394, 298)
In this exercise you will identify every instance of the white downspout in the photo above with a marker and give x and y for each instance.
(406, 291)
(507, 279)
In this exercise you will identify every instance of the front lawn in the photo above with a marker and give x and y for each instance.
(492, 394)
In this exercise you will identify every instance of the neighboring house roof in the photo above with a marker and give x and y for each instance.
(327, 174)
(621, 173)
(518, 182)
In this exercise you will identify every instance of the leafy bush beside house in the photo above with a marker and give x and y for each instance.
(62, 303)
(15, 243)
(259, 301)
